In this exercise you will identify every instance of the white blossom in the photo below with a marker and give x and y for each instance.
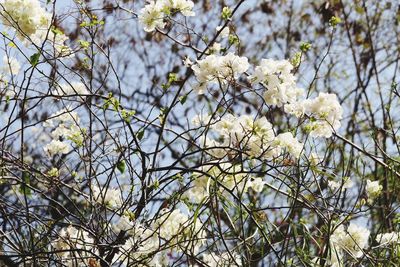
(257, 184)
(74, 246)
(221, 175)
(153, 14)
(276, 76)
(346, 183)
(73, 88)
(388, 238)
(25, 16)
(111, 197)
(373, 189)
(214, 69)
(352, 240)
(290, 143)
(56, 147)
(224, 259)
(10, 66)
(325, 113)
(183, 6)
(180, 230)
(224, 33)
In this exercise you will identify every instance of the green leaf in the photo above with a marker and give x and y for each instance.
(34, 59)
(56, 31)
(121, 166)
(333, 21)
(84, 44)
(183, 98)
(304, 47)
(140, 134)
(26, 180)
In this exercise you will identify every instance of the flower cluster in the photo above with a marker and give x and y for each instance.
(66, 127)
(253, 137)
(388, 238)
(68, 89)
(153, 14)
(373, 189)
(26, 16)
(32, 22)
(352, 241)
(172, 227)
(229, 176)
(324, 111)
(218, 69)
(110, 197)
(74, 246)
(346, 183)
(225, 259)
(180, 230)
(277, 77)
(10, 67)
(142, 244)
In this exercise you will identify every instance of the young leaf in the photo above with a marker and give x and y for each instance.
(140, 134)
(121, 166)
(34, 59)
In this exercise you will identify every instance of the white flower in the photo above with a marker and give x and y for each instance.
(202, 120)
(109, 196)
(222, 176)
(234, 65)
(224, 33)
(215, 69)
(373, 189)
(75, 247)
(290, 143)
(66, 128)
(276, 76)
(345, 184)
(25, 16)
(282, 94)
(58, 40)
(124, 224)
(199, 191)
(72, 238)
(179, 230)
(296, 108)
(353, 240)
(215, 48)
(223, 260)
(255, 137)
(171, 223)
(325, 113)
(388, 238)
(270, 71)
(10, 66)
(257, 184)
(151, 16)
(57, 147)
(183, 6)
(73, 88)
(64, 116)
(140, 246)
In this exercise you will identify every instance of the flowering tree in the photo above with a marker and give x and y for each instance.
(199, 133)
